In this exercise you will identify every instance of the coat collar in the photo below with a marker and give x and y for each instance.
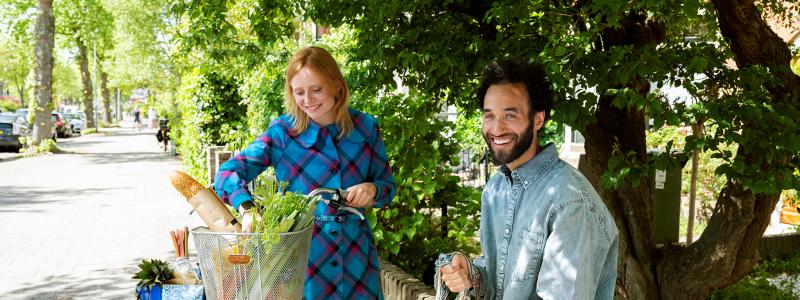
(316, 134)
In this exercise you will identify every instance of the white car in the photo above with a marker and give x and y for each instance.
(77, 121)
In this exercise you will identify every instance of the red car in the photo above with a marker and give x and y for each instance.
(62, 125)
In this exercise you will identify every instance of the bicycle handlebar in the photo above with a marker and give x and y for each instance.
(336, 201)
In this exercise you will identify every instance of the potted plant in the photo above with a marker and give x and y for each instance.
(789, 212)
(152, 275)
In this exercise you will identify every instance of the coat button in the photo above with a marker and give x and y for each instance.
(334, 232)
(334, 263)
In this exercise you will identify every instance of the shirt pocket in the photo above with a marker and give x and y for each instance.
(530, 255)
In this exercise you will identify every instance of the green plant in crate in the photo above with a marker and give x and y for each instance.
(152, 272)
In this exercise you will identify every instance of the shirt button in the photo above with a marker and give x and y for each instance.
(508, 231)
(334, 263)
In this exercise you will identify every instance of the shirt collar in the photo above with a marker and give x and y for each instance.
(538, 165)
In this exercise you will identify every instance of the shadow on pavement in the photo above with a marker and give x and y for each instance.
(128, 132)
(125, 157)
(15, 196)
(94, 283)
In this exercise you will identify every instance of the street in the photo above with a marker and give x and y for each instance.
(75, 225)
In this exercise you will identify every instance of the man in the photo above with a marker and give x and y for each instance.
(545, 233)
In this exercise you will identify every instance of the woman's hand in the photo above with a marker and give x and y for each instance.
(361, 195)
(247, 219)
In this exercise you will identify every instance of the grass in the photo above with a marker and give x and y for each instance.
(756, 284)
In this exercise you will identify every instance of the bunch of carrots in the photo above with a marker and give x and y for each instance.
(180, 240)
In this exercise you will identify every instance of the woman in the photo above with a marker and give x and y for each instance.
(320, 142)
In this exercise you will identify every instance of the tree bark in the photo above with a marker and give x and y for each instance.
(623, 130)
(728, 248)
(106, 96)
(21, 92)
(44, 34)
(631, 207)
(86, 79)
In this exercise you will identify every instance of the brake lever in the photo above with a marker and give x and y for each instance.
(338, 196)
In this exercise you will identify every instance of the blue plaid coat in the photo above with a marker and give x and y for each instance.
(343, 261)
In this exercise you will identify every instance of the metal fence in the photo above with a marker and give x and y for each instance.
(474, 168)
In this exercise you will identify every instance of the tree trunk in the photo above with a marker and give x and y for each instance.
(623, 130)
(44, 34)
(106, 96)
(21, 92)
(86, 79)
(631, 207)
(728, 248)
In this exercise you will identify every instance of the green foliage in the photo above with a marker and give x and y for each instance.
(410, 232)
(16, 53)
(209, 107)
(6, 105)
(88, 131)
(756, 286)
(141, 53)
(85, 21)
(153, 272)
(232, 32)
(753, 288)
(66, 80)
(45, 146)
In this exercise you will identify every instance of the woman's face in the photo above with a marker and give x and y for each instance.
(313, 96)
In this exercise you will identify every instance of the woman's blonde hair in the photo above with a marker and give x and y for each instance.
(321, 62)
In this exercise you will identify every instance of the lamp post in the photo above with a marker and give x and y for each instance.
(94, 87)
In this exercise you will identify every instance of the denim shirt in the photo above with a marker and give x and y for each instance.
(546, 236)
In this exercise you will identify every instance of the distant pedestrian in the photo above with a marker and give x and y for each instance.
(153, 116)
(137, 119)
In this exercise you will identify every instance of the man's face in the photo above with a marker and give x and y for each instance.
(507, 128)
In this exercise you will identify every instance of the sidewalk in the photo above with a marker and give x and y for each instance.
(75, 225)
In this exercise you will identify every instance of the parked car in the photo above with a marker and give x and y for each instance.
(23, 112)
(78, 121)
(63, 127)
(13, 128)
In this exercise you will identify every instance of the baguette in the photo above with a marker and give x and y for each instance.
(206, 203)
(185, 184)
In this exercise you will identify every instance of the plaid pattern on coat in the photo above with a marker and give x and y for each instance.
(343, 260)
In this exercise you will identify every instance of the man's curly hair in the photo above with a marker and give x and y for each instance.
(540, 94)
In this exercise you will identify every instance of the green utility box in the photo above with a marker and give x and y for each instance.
(666, 188)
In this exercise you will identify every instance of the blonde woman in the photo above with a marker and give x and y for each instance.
(321, 142)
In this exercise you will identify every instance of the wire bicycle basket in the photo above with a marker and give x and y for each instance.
(253, 265)
(238, 266)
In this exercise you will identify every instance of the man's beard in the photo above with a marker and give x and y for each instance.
(522, 145)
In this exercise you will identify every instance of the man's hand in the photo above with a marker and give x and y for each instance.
(361, 195)
(456, 274)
